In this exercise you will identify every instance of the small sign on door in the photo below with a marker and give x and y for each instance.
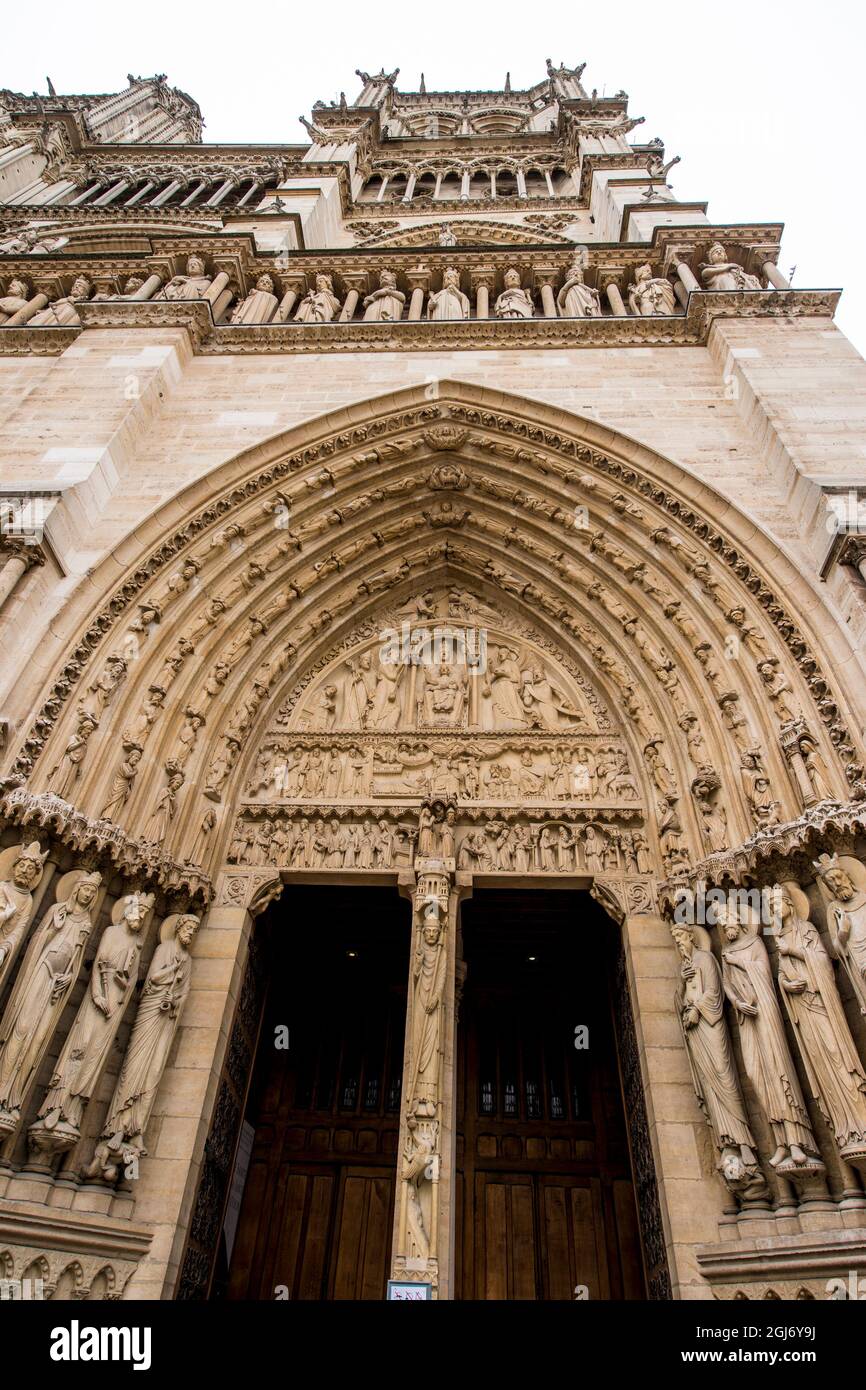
(403, 1291)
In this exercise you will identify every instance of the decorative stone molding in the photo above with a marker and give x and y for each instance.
(103, 841)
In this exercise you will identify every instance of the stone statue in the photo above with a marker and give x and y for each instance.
(14, 300)
(78, 1069)
(64, 776)
(159, 1010)
(320, 305)
(446, 235)
(20, 872)
(428, 985)
(514, 302)
(837, 1078)
(385, 305)
(39, 996)
(718, 273)
(651, 295)
(846, 917)
(157, 825)
(504, 686)
(700, 1003)
(121, 785)
(62, 312)
(576, 300)
(259, 306)
(450, 302)
(193, 285)
(748, 982)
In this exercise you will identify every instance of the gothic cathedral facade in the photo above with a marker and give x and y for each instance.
(432, 796)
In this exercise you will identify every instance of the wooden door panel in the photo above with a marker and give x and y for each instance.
(362, 1237)
(506, 1237)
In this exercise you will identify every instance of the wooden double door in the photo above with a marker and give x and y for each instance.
(545, 1201)
(543, 1194)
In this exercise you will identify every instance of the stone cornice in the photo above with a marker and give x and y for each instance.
(680, 330)
(691, 329)
(104, 841)
(778, 852)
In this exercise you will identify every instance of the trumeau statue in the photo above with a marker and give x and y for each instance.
(385, 305)
(513, 302)
(450, 302)
(700, 1002)
(62, 312)
(45, 980)
(576, 300)
(718, 273)
(259, 305)
(651, 295)
(319, 305)
(845, 881)
(162, 999)
(836, 1076)
(88, 1044)
(749, 986)
(193, 285)
(20, 872)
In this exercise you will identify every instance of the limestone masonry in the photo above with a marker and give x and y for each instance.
(463, 376)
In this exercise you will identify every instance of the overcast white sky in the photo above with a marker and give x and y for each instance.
(763, 101)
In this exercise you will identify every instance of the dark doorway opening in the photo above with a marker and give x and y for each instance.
(544, 1194)
(324, 1113)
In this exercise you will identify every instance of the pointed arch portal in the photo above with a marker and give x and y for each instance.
(451, 643)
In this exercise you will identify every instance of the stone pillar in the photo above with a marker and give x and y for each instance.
(521, 184)
(681, 293)
(222, 192)
(687, 279)
(111, 193)
(775, 276)
(33, 306)
(464, 184)
(290, 298)
(91, 189)
(16, 558)
(199, 188)
(418, 281)
(410, 189)
(357, 282)
(149, 288)
(668, 1132)
(481, 281)
(852, 553)
(216, 287)
(141, 194)
(545, 281)
(614, 299)
(165, 193)
(423, 1241)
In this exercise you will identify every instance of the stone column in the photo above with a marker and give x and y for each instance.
(545, 280)
(418, 281)
(464, 184)
(410, 189)
(149, 288)
(357, 282)
(33, 306)
(141, 194)
(521, 184)
(481, 281)
(16, 559)
(852, 553)
(199, 188)
(775, 276)
(423, 1241)
(687, 279)
(289, 299)
(614, 298)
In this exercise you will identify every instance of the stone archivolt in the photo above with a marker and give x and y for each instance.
(645, 599)
(644, 704)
